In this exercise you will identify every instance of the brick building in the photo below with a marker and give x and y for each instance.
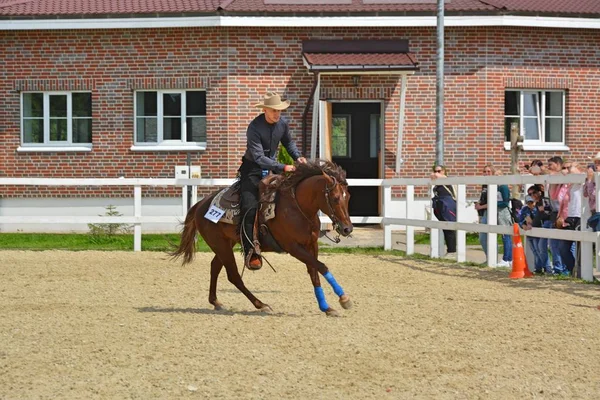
(108, 89)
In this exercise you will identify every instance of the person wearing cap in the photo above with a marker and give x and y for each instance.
(263, 136)
(596, 160)
(527, 214)
(541, 219)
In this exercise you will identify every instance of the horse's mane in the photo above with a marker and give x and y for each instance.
(313, 168)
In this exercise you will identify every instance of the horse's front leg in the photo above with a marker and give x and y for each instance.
(314, 267)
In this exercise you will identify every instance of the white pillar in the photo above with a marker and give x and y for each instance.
(137, 212)
(461, 211)
(315, 120)
(387, 229)
(410, 230)
(492, 220)
(401, 123)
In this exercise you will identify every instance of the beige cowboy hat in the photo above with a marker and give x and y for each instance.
(273, 100)
(596, 157)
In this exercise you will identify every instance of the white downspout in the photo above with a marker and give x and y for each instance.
(399, 159)
(315, 119)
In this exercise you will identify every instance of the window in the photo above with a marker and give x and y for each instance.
(170, 117)
(340, 136)
(51, 119)
(540, 115)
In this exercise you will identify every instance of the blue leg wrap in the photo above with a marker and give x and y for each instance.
(323, 306)
(336, 287)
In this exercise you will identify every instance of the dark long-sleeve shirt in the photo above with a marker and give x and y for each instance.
(264, 138)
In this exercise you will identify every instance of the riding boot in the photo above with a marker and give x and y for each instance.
(252, 260)
(255, 233)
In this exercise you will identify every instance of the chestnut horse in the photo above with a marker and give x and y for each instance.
(316, 185)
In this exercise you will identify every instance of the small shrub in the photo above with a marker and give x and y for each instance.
(102, 233)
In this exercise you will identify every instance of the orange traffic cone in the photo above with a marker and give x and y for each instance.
(519, 263)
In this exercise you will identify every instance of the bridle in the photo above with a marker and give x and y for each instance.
(335, 222)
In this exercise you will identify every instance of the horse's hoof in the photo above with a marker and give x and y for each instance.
(332, 313)
(266, 309)
(347, 304)
(219, 307)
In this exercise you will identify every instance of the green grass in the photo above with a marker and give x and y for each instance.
(80, 242)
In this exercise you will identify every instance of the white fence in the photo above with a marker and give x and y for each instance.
(587, 239)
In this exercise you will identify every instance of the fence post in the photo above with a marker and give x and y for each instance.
(492, 219)
(137, 212)
(387, 228)
(461, 236)
(410, 230)
(436, 247)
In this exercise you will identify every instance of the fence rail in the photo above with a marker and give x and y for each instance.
(389, 223)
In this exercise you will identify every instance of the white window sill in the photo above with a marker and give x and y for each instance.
(54, 149)
(540, 147)
(181, 147)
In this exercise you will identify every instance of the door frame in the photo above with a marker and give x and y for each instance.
(325, 121)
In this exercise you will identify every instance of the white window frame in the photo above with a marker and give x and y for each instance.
(540, 143)
(161, 144)
(48, 145)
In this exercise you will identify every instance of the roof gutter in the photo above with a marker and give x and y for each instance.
(288, 22)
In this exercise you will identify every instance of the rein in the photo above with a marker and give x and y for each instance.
(333, 218)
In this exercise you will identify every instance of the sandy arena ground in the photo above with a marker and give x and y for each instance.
(120, 325)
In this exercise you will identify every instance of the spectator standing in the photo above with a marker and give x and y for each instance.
(444, 205)
(570, 218)
(481, 207)
(504, 219)
(541, 219)
(589, 192)
(555, 166)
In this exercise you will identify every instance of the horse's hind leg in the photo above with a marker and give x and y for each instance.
(227, 259)
(215, 269)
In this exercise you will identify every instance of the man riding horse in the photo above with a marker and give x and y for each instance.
(264, 134)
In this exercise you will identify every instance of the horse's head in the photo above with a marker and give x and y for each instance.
(337, 198)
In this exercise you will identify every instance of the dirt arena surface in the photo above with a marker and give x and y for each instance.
(121, 325)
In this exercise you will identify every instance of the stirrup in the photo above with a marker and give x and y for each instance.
(253, 262)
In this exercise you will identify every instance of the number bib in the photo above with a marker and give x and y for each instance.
(214, 214)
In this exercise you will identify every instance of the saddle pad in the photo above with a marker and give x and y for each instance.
(232, 211)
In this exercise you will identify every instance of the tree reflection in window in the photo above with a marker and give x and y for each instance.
(340, 136)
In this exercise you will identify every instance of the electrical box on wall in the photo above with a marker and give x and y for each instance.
(181, 172)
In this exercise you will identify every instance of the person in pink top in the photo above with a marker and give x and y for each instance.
(589, 192)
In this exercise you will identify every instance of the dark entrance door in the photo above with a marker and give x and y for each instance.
(355, 147)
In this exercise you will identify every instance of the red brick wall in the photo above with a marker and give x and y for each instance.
(237, 65)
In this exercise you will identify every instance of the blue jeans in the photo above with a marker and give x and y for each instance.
(483, 236)
(557, 262)
(507, 243)
(568, 254)
(539, 246)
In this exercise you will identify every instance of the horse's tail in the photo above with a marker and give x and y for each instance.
(187, 246)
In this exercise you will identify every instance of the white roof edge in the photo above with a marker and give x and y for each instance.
(109, 23)
(254, 21)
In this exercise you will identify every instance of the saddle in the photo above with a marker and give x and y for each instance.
(228, 200)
